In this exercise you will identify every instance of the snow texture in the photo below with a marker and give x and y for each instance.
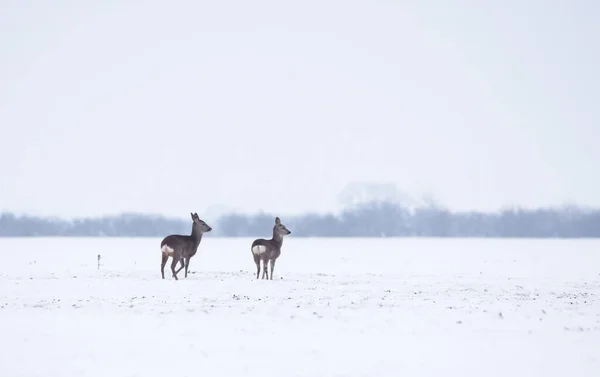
(336, 307)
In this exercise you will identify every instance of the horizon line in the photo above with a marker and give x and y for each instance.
(437, 206)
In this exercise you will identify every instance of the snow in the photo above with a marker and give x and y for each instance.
(336, 307)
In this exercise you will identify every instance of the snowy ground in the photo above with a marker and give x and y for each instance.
(380, 307)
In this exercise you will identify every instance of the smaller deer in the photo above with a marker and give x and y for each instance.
(269, 250)
(182, 248)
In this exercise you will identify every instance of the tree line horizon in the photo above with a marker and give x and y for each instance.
(374, 219)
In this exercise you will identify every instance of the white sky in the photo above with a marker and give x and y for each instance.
(172, 107)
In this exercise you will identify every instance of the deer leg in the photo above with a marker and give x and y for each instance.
(187, 265)
(181, 263)
(165, 257)
(265, 268)
(173, 264)
(272, 267)
(257, 261)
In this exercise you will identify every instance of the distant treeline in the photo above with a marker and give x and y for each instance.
(369, 220)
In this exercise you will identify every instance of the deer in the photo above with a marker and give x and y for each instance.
(269, 250)
(182, 247)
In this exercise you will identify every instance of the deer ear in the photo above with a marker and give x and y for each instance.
(277, 221)
(192, 215)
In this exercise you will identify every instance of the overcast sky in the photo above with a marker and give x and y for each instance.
(172, 107)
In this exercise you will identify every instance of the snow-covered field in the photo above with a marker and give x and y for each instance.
(336, 307)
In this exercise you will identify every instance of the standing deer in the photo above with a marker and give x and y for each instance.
(269, 250)
(182, 248)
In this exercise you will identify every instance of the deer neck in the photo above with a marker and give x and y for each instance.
(277, 239)
(196, 235)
